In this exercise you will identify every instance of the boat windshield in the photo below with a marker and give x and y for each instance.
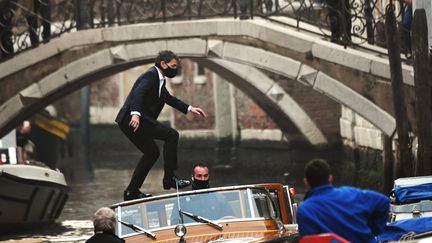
(227, 205)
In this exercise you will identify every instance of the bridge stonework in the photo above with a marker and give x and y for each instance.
(354, 78)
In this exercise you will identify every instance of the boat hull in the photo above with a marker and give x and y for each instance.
(30, 195)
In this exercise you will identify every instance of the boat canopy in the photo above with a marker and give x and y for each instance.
(414, 193)
(397, 229)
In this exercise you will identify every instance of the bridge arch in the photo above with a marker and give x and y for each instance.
(113, 59)
(268, 95)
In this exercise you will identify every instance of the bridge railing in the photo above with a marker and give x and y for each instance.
(24, 24)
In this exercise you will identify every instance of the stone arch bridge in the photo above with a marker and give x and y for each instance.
(246, 53)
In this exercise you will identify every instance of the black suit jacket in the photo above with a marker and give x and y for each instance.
(144, 98)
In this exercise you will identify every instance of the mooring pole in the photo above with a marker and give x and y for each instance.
(403, 159)
(387, 163)
(422, 93)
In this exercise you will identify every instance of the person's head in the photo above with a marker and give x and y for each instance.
(200, 176)
(25, 127)
(317, 172)
(168, 62)
(104, 220)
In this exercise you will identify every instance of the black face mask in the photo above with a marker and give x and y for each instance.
(170, 72)
(197, 184)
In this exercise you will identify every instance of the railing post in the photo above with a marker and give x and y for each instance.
(234, 3)
(403, 163)
(90, 5)
(387, 163)
(83, 15)
(110, 12)
(277, 7)
(422, 93)
(189, 9)
(343, 28)
(200, 7)
(163, 8)
(251, 8)
(369, 22)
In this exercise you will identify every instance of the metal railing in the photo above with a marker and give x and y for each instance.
(24, 23)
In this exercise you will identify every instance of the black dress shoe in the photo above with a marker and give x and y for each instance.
(171, 183)
(131, 195)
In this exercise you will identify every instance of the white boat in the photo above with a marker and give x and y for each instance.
(31, 194)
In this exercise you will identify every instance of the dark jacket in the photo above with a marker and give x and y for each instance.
(105, 237)
(144, 98)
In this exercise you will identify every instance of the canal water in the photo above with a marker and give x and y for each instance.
(103, 185)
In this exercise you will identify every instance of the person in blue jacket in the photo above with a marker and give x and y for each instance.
(354, 214)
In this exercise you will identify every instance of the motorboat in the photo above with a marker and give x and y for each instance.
(246, 213)
(30, 195)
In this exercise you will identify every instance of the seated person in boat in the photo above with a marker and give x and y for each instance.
(104, 221)
(210, 205)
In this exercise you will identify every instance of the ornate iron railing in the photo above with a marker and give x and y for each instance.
(24, 23)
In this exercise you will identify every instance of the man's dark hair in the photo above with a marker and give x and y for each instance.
(165, 56)
(202, 165)
(317, 172)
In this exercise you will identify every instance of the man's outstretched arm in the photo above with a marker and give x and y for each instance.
(183, 107)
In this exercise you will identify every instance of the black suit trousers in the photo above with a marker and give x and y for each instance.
(143, 139)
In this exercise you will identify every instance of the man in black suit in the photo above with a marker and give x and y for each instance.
(138, 121)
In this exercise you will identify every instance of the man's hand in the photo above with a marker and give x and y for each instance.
(198, 111)
(135, 122)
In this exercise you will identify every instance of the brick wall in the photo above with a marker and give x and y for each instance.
(250, 115)
(195, 87)
(324, 111)
(106, 92)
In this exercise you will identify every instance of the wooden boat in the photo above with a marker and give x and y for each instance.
(248, 213)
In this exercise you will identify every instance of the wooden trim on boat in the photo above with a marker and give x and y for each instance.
(255, 230)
